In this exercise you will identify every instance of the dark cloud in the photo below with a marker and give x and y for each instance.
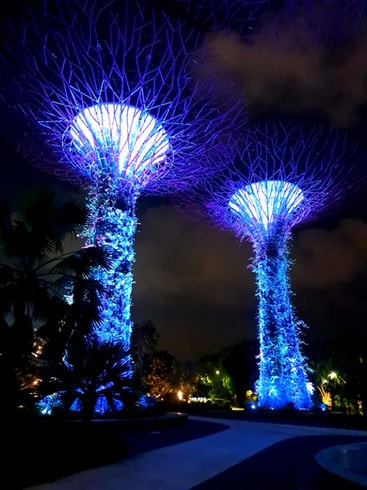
(326, 258)
(295, 66)
(194, 283)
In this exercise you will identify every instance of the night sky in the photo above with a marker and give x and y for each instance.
(192, 280)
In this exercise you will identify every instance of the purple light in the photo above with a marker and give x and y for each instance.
(115, 100)
(281, 175)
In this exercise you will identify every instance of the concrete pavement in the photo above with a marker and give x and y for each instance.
(185, 465)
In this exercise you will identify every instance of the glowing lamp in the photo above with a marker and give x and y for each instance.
(266, 201)
(130, 138)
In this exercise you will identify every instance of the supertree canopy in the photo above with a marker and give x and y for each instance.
(112, 94)
(283, 175)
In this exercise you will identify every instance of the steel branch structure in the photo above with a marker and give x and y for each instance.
(283, 176)
(112, 92)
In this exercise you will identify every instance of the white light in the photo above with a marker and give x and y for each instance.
(310, 388)
(130, 136)
(266, 201)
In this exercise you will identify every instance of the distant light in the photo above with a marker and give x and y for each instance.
(310, 387)
(198, 399)
(251, 405)
(180, 395)
(126, 134)
(266, 201)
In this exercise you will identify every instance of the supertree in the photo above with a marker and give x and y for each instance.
(112, 94)
(283, 175)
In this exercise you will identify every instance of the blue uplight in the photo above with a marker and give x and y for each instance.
(267, 207)
(121, 106)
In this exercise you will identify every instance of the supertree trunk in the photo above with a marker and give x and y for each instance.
(282, 379)
(280, 176)
(117, 101)
(128, 145)
(115, 232)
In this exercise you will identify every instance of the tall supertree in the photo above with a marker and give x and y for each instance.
(112, 94)
(283, 175)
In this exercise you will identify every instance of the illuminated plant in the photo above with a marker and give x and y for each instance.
(112, 93)
(283, 176)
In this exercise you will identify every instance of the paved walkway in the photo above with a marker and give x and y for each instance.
(204, 462)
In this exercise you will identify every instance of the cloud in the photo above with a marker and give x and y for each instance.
(329, 278)
(178, 256)
(297, 66)
(192, 282)
(329, 258)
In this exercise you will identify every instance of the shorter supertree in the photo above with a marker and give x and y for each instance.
(283, 175)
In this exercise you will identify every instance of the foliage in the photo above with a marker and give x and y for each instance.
(144, 338)
(188, 379)
(90, 382)
(33, 270)
(340, 371)
(239, 362)
(161, 377)
(213, 380)
(70, 321)
(157, 372)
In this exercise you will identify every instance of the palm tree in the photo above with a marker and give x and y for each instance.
(32, 250)
(44, 335)
(35, 272)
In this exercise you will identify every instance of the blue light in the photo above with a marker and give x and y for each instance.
(116, 233)
(280, 176)
(48, 403)
(124, 114)
(127, 148)
(251, 405)
(267, 208)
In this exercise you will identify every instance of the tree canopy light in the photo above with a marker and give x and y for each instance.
(266, 203)
(134, 143)
(280, 176)
(118, 110)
